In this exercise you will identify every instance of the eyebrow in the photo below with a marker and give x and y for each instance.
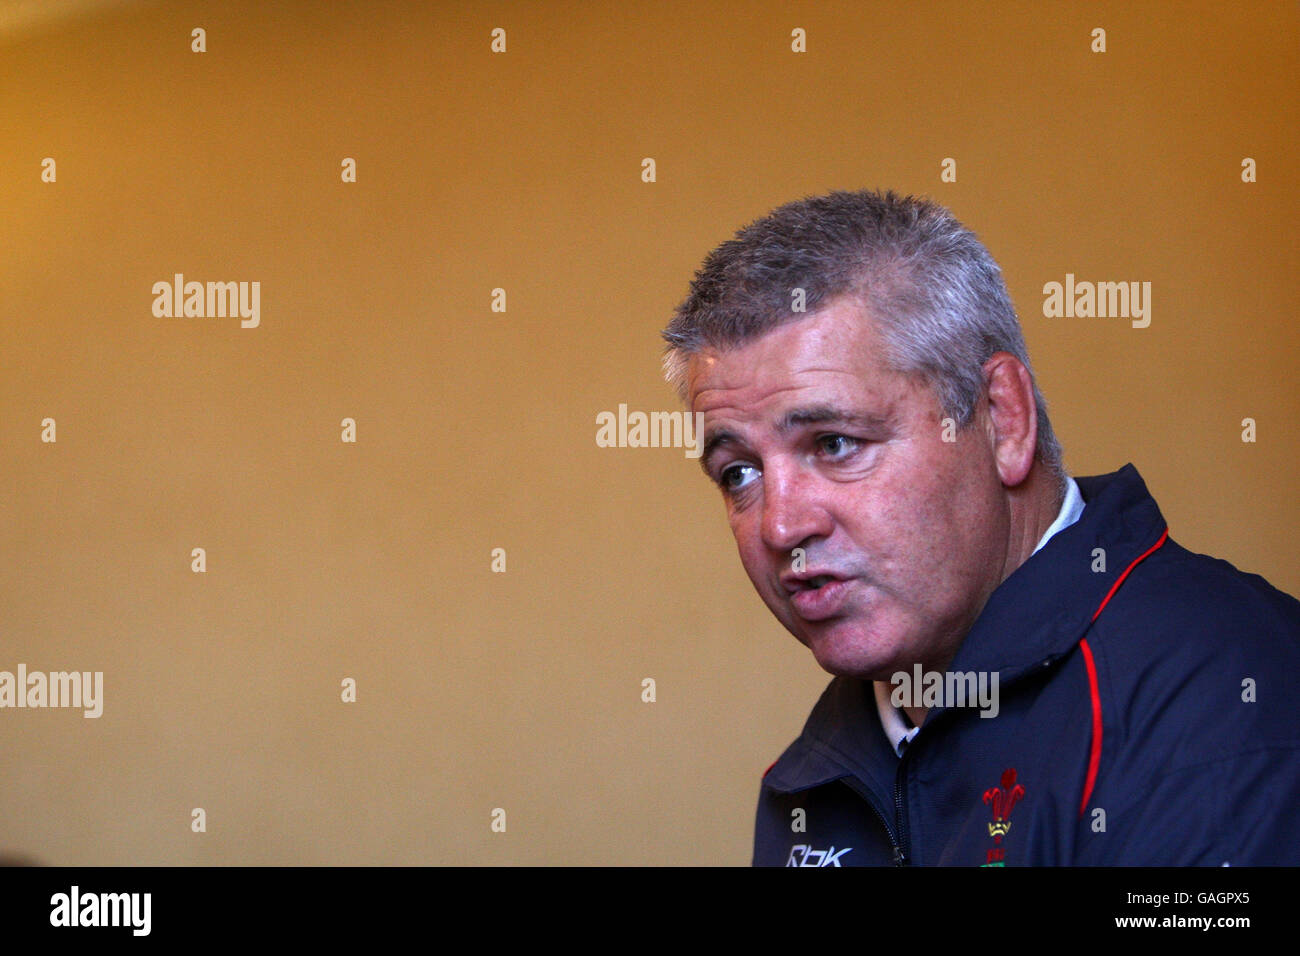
(797, 418)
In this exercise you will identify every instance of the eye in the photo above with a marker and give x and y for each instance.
(732, 475)
(838, 446)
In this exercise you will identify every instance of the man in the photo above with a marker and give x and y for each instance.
(1029, 669)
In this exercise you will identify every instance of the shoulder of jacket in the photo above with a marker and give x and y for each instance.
(1197, 660)
(1177, 603)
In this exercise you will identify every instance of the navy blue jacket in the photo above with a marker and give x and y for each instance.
(1149, 715)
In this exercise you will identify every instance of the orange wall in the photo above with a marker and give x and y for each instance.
(475, 429)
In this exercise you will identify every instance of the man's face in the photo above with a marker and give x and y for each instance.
(817, 445)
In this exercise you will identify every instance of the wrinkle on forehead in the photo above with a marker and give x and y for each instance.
(834, 350)
(747, 387)
(717, 374)
(726, 394)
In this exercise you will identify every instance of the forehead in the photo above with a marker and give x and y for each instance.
(834, 352)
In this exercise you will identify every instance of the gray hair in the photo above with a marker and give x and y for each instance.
(938, 295)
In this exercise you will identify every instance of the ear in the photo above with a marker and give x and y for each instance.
(1013, 419)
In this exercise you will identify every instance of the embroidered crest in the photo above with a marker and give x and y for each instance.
(1003, 800)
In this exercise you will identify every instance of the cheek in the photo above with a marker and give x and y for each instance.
(891, 516)
(749, 545)
(761, 567)
(965, 526)
(918, 527)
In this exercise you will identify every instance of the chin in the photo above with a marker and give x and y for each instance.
(845, 657)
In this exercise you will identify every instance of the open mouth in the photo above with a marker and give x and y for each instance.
(819, 597)
(800, 585)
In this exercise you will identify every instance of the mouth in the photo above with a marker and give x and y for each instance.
(798, 583)
(818, 595)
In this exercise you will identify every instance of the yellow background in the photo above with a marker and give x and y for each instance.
(476, 429)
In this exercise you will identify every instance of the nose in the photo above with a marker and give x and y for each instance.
(793, 510)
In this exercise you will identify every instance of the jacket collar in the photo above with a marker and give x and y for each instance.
(1044, 607)
(1037, 614)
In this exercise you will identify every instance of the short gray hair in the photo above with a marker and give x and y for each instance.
(938, 295)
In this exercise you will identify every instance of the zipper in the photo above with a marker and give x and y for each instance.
(900, 840)
(903, 849)
(899, 834)
(856, 785)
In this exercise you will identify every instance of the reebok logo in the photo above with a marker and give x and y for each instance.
(801, 854)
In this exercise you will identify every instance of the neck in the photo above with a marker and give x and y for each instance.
(1033, 506)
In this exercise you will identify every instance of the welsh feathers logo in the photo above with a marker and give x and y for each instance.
(1003, 800)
